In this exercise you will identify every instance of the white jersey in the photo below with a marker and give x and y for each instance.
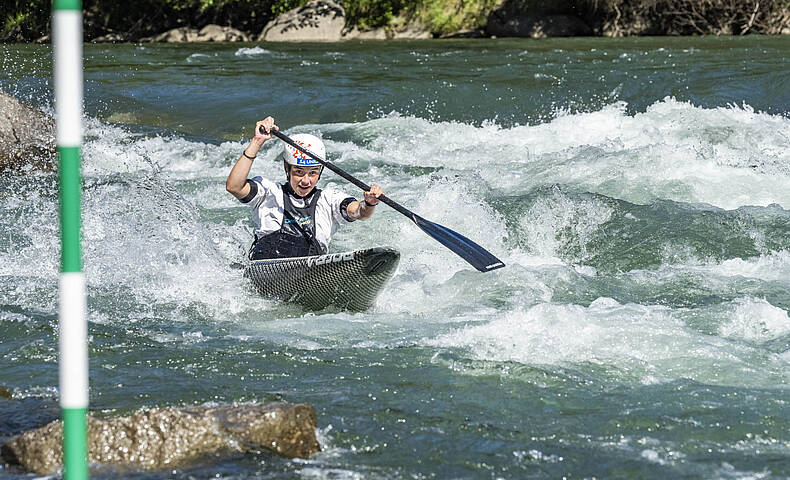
(266, 202)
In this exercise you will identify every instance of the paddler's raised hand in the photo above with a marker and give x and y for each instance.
(262, 129)
(236, 183)
(262, 134)
(372, 196)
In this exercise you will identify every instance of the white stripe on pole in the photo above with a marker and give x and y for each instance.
(67, 44)
(73, 341)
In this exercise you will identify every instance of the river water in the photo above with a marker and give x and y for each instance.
(637, 189)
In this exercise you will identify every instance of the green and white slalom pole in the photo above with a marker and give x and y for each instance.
(73, 335)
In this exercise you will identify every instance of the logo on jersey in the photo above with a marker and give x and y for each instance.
(303, 222)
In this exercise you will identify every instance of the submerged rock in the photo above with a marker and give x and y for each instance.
(27, 137)
(171, 438)
(318, 21)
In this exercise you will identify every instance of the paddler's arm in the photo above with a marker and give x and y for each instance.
(364, 209)
(236, 184)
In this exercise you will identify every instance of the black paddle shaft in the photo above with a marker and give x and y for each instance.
(359, 183)
(477, 256)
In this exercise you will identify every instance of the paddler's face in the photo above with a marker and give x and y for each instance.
(303, 179)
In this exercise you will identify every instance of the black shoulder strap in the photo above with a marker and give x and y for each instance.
(313, 201)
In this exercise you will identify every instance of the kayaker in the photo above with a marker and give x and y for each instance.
(294, 218)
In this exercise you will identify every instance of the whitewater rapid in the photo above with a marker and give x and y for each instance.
(160, 234)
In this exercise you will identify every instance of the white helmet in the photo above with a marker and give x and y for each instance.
(311, 143)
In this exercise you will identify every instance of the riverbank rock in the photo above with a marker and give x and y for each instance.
(356, 34)
(176, 35)
(209, 33)
(111, 38)
(318, 21)
(216, 33)
(401, 29)
(27, 137)
(468, 33)
(510, 21)
(172, 438)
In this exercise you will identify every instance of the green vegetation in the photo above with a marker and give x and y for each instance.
(370, 14)
(24, 19)
(439, 16)
(278, 8)
(27, 20)
(447, 16)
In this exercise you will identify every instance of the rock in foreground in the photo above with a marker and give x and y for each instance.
(27, 137)
(171, 438)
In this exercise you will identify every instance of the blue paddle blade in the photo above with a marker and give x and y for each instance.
(477, 256)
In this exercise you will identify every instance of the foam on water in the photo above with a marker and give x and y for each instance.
(774, 266)
(727, 156)
(256, 50)
(755, 320)
(557, 222)
(644, 343)
(197, 57)
(764, 273)
(144, 241)
(111, 149)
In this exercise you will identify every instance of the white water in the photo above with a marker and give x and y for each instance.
(646, 343)
(148, 238)
(726, 157)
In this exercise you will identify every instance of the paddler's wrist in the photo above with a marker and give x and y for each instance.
(365, 209)
(252, 149)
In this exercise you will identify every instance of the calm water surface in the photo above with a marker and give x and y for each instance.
(637, 189)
